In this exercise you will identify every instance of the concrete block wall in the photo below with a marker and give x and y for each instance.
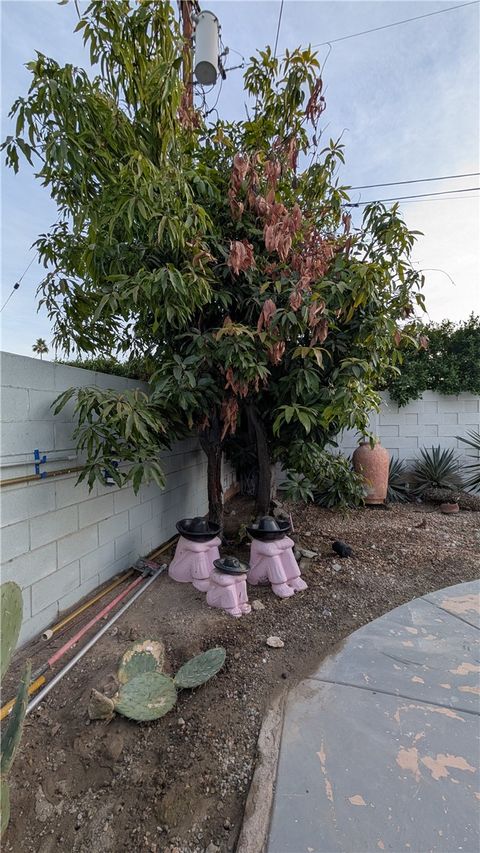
(433, 420)
(60, 541)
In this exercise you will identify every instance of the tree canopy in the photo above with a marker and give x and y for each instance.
(222, 251)
(450, 364)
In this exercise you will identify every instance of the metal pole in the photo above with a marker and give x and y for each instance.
(71, 663)
(187, 8)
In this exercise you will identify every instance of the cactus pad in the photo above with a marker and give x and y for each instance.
(4, 805)
(13, 733)
(200, 668)
(146, 656)
(100, 707)
(146, 697)
(11, 620)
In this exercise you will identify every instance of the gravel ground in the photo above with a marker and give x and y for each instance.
(179, 785)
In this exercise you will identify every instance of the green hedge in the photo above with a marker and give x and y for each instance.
(450, 365)
(136, 368)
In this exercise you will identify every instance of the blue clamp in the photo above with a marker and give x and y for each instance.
(39, 460)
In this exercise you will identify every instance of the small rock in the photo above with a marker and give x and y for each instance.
(304, 552)
(336, 567)
(181, 721)
(275, 643)
(212, 848)
(236, 656)
(257, 605)
(297, 553)
(326, 612)
(227, 824)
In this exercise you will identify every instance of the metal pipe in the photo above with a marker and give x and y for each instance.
(71, 663)
(58, 625)
(100, 615)
(30, 462)
(41, 670)
(32, 689)
(30, 477)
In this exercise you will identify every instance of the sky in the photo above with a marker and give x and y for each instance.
(406, 100)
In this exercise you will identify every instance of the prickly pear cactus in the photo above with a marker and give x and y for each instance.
(4, 805)
(11, 620)
(146, 697)
(145, 656)
(11, 737)
(100, 707)
(200, 668)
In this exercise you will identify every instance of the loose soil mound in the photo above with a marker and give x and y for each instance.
(179, 784)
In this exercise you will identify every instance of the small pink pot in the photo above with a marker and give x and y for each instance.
(449, 509)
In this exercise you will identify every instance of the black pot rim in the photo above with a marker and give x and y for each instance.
(230, 571)
(271, 535)
(215, 530)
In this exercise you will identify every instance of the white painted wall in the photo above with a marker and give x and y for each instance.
(58, 540)
(433, 420)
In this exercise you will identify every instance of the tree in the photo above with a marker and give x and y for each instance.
(40, 347)
(449, 364)
(223, 252)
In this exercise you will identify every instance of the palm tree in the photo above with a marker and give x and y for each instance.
(40, 347)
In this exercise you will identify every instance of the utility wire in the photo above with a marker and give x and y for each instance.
(397, 23)
(17, 284)
(402, 197)
(416, 181)
(278, 29)
(430, 200)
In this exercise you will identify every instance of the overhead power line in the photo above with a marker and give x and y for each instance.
(17, 284)
(397, 23)
(402, 197)
(278, 28)
(416, 181)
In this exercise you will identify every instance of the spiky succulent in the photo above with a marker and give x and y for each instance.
(397, 481)
(473, 468)
(436, 469)
(145, 692)
(11, 621)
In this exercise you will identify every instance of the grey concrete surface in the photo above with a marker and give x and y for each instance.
(380, 747)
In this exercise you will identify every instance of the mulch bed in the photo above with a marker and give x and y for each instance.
(179, 785)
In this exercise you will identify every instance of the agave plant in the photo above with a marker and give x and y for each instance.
(11, 620)
(473, 468)
(436, 469)
(145, 692)
(397, 491)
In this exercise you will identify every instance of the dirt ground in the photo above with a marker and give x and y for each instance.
(178, 785)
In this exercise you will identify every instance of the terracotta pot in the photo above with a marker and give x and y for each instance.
(449, 509)
(373, 463)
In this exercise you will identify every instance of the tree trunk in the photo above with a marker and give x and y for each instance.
(211, 444)
(263, 457)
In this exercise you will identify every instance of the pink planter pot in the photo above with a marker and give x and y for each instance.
(449, 509)
(372, 464)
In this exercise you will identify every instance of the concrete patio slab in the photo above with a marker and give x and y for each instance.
(418, 651)
(461, 600)
(375, 757)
